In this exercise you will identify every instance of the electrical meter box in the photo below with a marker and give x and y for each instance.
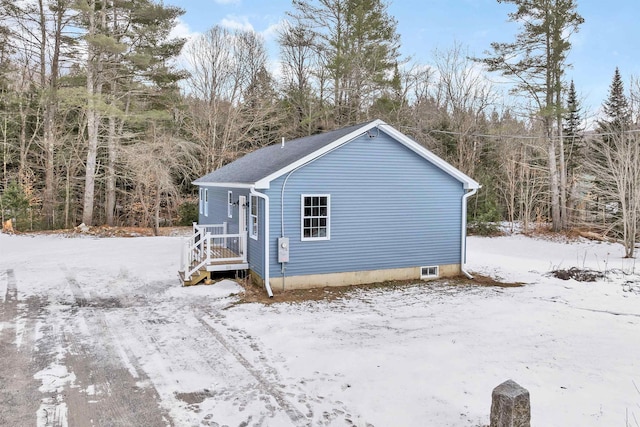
(283, 249)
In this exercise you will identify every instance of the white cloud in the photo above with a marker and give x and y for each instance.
(233, 22)
(181, 29)
(272, 31)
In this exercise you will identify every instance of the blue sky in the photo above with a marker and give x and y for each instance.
(609, 37)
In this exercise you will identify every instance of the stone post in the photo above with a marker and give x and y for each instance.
(510, 406)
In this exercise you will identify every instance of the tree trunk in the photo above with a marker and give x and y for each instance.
(554, 185)
(111, 172)
(562, 166)
(48, 142)
(92, 152)
(156, 216)
(93, 122)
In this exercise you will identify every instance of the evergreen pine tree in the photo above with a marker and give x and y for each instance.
(616, 107)
(536, 61)
(359, 45)
(574, 142)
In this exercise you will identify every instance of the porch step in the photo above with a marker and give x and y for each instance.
(196, 277)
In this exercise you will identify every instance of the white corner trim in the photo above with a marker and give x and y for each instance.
(463, 233)
(267, 259)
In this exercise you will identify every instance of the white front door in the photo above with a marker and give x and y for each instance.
(242, 221)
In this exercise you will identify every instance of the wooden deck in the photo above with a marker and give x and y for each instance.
(223, 253)
(221, 261)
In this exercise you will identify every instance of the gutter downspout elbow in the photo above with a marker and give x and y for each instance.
(463, 246)
(267, 260)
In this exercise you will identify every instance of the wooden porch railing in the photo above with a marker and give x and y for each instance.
(211, 244)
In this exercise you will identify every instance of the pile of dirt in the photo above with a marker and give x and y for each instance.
(578, 274)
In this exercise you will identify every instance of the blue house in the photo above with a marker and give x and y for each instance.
(357, 205)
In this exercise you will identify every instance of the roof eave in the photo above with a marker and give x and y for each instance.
(468, 182)
(223, 184)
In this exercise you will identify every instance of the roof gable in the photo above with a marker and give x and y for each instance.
(262, 166)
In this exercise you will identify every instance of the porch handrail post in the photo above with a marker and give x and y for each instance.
(207, 237)
(244, 246)
(198, 243)
(224, 231)
(183, 255)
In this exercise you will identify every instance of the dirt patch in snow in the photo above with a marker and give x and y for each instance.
(544, 231)
(255, 293)
(195, 397)
(106, 231)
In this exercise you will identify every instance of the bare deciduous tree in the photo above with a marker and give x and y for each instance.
(153, 165)
(617, 178)
(465, 95)
(226, 69)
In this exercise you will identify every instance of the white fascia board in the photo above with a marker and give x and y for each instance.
(222, 184)
(265, 182)
(469, 183)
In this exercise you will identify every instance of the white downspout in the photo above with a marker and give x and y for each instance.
(267, 261)
(463, 246)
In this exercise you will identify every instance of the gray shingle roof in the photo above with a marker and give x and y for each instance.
(268, 160)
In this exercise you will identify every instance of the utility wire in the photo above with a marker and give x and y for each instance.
(497, 136)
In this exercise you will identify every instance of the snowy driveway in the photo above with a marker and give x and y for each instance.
(98, 332)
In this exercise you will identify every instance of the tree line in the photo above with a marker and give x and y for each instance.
(102, 124)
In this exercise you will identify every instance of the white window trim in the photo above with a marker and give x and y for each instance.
(253, 219)
(230, 204)
(201, 201)
(206, 202)
(428, 275)
(328, 236)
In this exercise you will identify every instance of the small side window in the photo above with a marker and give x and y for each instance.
(429, 272)
(201, 201)
(230, 204)
(253, 217)
(206, 202)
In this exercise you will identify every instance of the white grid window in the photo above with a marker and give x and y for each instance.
(201, 201)
(429, 272)
(206, 202)
(253, 217)
(316, 215)
(230, 204)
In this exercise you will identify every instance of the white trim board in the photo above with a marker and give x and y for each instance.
(468, 182)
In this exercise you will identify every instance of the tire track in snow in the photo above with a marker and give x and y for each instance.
(10, 297)
(12, 287)
(120, 401)
(297, 417)
(592, 310)
(19, 395)
(10, 305)
(126, 355)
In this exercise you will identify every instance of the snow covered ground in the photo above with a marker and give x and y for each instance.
(99, 332)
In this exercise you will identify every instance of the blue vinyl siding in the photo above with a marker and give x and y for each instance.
(390, 208)
(217, 206)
